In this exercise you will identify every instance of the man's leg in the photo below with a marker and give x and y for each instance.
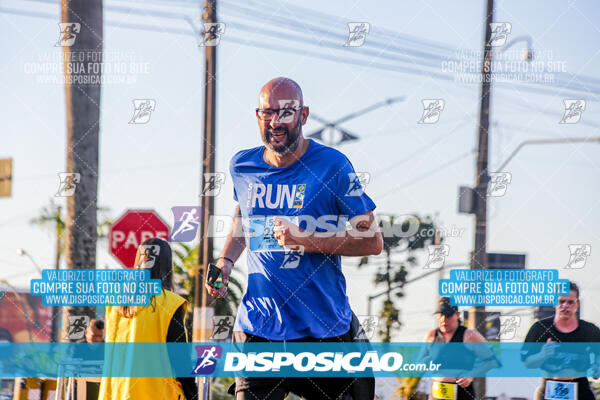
(258, 388)
(321, 388)
(261, 394)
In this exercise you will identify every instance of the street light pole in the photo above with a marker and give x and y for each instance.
(479, 257)
(55, 311)
(546, 141)
(23, 252)
(205, 248)
(345, 134)
(202, 313)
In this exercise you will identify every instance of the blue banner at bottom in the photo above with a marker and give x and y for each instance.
(299, 359)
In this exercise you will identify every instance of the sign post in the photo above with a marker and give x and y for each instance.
(129, 231)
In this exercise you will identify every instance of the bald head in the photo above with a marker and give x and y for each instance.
(280, 115)
(279, 89)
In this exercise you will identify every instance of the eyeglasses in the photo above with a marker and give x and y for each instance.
(283, 114)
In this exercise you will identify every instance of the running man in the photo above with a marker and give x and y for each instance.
(565, 326)
(294, 176)
(450, 330)
(67, 34)
(207, 359)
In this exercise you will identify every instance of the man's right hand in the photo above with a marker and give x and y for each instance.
(548, 349)
(225, 266)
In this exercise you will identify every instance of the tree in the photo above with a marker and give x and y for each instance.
(52, 217)
(185, 259)
(404, 238)
(81, 39)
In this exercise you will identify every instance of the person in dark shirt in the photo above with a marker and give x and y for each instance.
(564, 327)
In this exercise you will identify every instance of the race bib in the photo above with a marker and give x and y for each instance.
(261, 235)
(558, 390)
(445, 391)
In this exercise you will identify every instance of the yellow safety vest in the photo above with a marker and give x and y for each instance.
(149, 325)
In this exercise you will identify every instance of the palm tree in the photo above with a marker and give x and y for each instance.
(82, 94)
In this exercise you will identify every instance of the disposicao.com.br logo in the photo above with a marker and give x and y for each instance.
(322, 362)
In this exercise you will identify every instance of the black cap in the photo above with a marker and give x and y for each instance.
(445, 308)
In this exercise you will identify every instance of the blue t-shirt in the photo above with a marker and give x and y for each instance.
(307, 296)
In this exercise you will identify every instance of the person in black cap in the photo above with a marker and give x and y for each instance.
(450, 329)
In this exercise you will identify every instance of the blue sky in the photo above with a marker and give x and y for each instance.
(551, 202)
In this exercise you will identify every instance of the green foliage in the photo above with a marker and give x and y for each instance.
(391, 317)
(219, 387)
(185, 264)
(400, 239)
(52, 217)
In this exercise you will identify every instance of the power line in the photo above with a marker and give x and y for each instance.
(275, 18)
(278, 18)
(427, 145)
(427, 174)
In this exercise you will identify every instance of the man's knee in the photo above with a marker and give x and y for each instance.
(260, 394)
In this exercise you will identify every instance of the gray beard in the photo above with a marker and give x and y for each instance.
(287, 148)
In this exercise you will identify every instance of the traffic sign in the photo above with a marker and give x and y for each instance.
(129, 231)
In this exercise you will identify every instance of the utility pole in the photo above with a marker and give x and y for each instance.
(203, 314)
(55, 310)
(82, 96)
(479, 258)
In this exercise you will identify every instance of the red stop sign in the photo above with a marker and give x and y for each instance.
(129, 231)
